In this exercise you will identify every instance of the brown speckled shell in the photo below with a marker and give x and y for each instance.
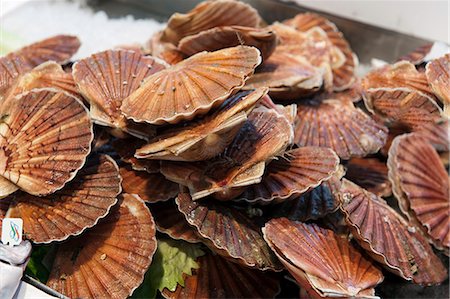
(73, 209)
(191, 87)
(388, 238)
(324, 264)
(228, 232)
(110, 260)
(46, 137)
(338, 125)
(218, 278)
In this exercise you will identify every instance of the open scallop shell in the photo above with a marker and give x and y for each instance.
(438, 75)
(293, 174)
(191, 87)
(407, 107)
(228, 232)
(324, 264)
(45, 139)
(265, 135)
(338, 125)
(287, 76)
(126, 148)
(218, 278)
(229, 36)
(70, 211)
(315, 203)
(110, 260)
(343, 69)
(106, 78)
(207, 15)
(150, 187)
(389, 238)
(171, 221)
(401, 74)
(369, 173)
(206, 138)
(421, 185)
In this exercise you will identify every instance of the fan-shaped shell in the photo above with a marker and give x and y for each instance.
(126, 148)
(45, 138)
(207, 15)
(293, 174)
(110, 260)
(150, 187)
(287, 76)
(438, 75)
(388, 238)
(230, 36)
(369, 173)
(70, 211)
(171, 221)
(107, 78)
(206, 138)
(437, 134)
(11, 67)
(219, 278)
(338, 125)
(228, 232)
(406, 107)
(421, 185)
(401, 74)
(343, 72)
(191, 87)
(417, 56)
(324, 264)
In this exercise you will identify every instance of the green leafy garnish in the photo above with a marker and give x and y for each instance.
(38, 266)
(172, 259)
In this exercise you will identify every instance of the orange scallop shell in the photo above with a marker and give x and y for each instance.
(421, 185)
(228, 232)
(438, 75)
(388, 238)
(164, 50)
(191, 87)
(106, 78)
(343, 73)
(11, 67)
(110, 260)
(324, 264)
(69, 211)
(207, 15)
(338, 125)
(218, 278)
(206, 138)
(296, 172)
(369, 173)
(229, 36)
(45, 139)
(150, 187)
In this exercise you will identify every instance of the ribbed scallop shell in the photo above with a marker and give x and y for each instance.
(230, 36)
(106, 78)
(314, 204)
(388, 238)
(421, 185)
(417, 56)
(150, 187)
(191, 87)
(400, 74)
(402, 106)
(437, 134)
(71, 210)
(206, 138)
(293, 174)
(11, 67)
(126, 148)
(164, 50)
(343, 73)
(352, 94)
(438, 75)
(219, 278)
(110, 260)
(171, 221)
(369, 173)
(338, 125)
(287, 76)
(46, 75)
(228, 232)
(45, 139)
(207, 15)
(324, 264)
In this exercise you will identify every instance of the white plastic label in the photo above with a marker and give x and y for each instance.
(12, 231)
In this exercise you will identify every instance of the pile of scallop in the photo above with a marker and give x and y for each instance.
(250, 139)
